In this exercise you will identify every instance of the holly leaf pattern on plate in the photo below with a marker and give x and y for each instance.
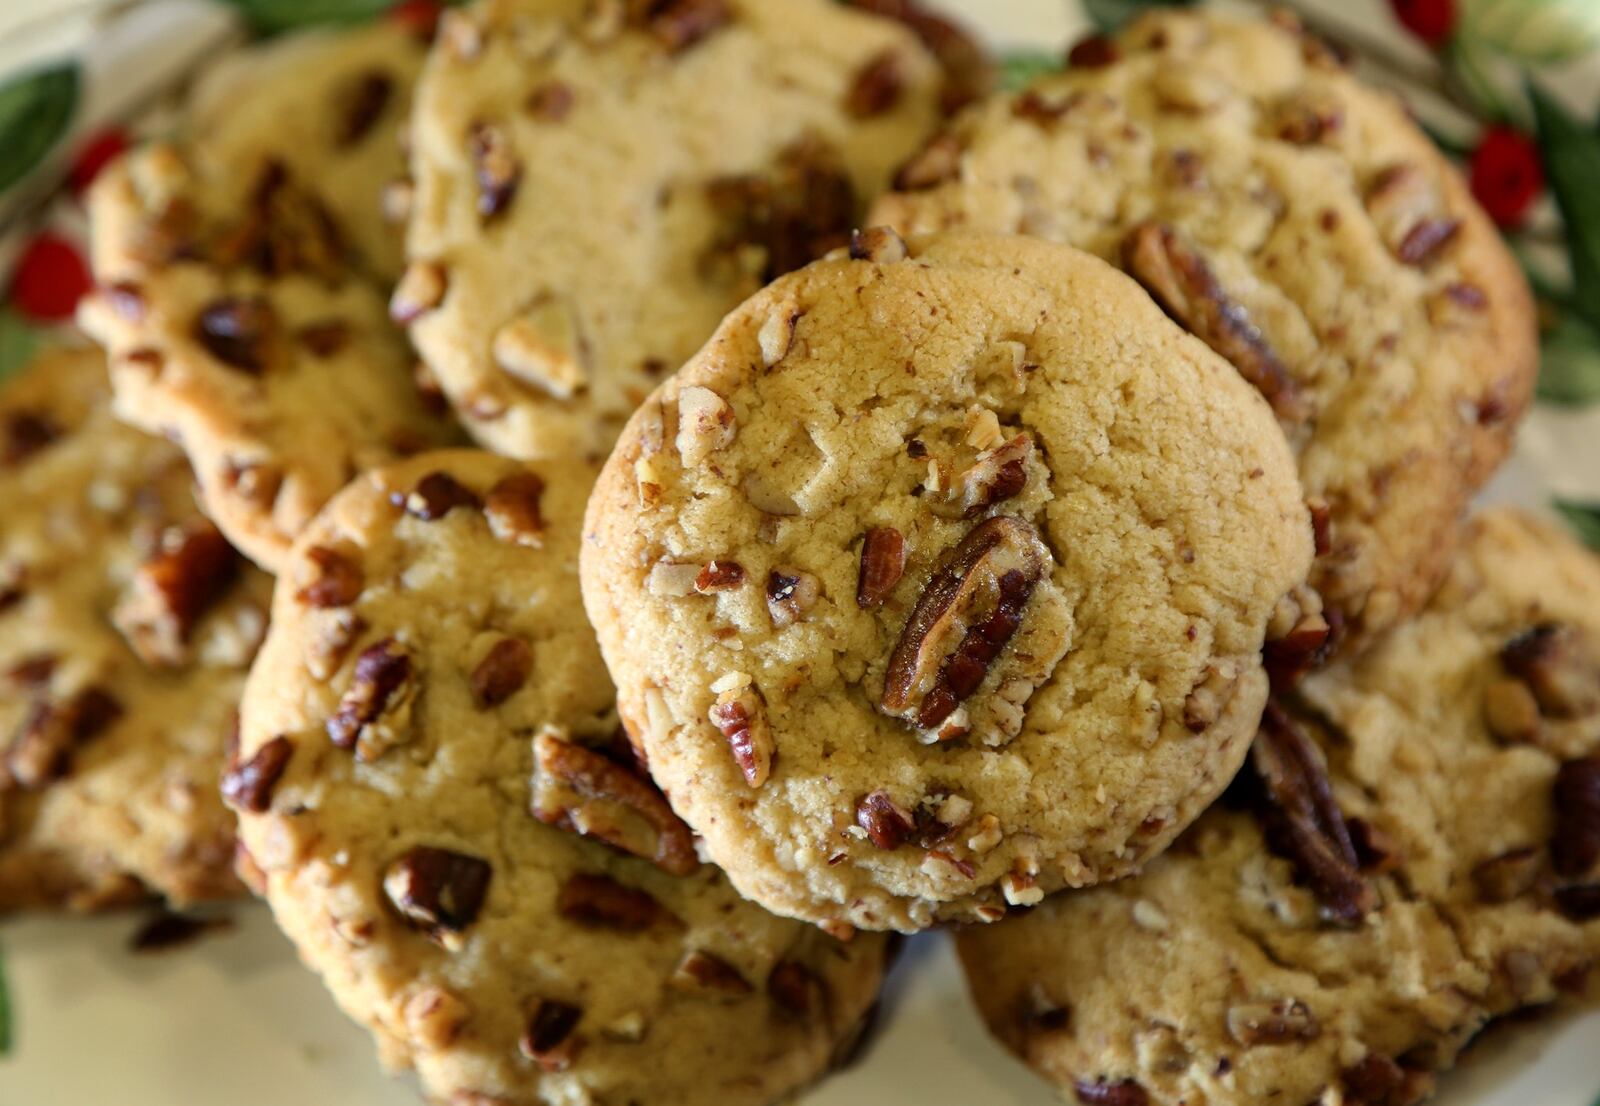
(18, 341)
(35, 111)
(273, 16)
(1108, 15)
(1569, 363)
(1534, 31)
(1020, 68)
(1571, 154)
(1584, 518)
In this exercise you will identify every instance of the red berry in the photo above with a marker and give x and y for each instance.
(1506, 174)
(1430, 20)
(94, 155)
(419, 16)
(50, 278)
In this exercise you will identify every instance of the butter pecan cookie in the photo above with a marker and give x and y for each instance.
(242, 300)
(1303, 227)
(937, 581)
(597, 184)
(126, 626)
(1417, 852)
(433, 796)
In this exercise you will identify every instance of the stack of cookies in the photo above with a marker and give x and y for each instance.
(738, 488)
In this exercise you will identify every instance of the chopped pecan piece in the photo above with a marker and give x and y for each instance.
(365, 101)
(1272, 1023)
(239, 331)
(878, 244)
(1123, 1092)
(805, 207)
(435, 495)
(545, 347)
(24, 433)
(248, 787)
(790, 594)
(705, 424)
(549, 1040)
(883, 562)
(795, 988)
(719, 576)
(603, 903)
(1555, 662)
(968, 74)
(587, 793)
(964, 618)
(496, 167)
(512, 508)
(1575, 847)
(1208, 698)
(1424, 241)
(887, 823)
(1290, 657)
(421, 288)
(502, 671)
(375, 712)
(937, 162)
(550, 102)
(1508, 876)
(1094, 51)
(1409, 212)
(1580, 902)
(325, 337)
(679, 24)
(877, 86)
(999, 473)
(42, 751)
(285, 229)
(172, 589)
(1302, 821)
(32, 671)
(741, 716)
(701, 971)
(336, 579)
(438, 890)
(1379, 1081)
(1184, 285)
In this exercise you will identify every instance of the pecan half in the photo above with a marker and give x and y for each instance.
(1302, 821)
(248, 786)
(965, 616)
(883, 562)
(587, 793)
(795, 988)
(336, 579)
(741, 717)
(239, 331)
(41, 752)
(601, 902)
(375, 712)
(438, 890)
(24, 433)
(502, 671)
(701, 971)
(1555, 662)
(435, 495)
(1575, 847)
(887, 823)
(172, 589)
(789, 217)
(549, 1040)
(1410, 214)
(1100, 1092)
(512, 508)
(876, 87)
(1184, 285)
(1508, 876)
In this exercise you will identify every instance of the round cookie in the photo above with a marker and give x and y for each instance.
(242, 301)
(938, 582)
(432, 794)
(1303, 226)
(126, 626)
(594, 189)
(1417, 855)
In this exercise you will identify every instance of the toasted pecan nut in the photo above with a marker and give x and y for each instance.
(502, 671)
(189, 571)
(1556, 663)
(587, 793)
(337, 580)
(249, 786)
(41, 752)
(1184, 285)
(549, 1040)
(513, 509)
(601, 902)
(239, 331)
(375, 711)
(964, 618)
(438, 890)
(740, 715)
(883, 562)
(1575, 847)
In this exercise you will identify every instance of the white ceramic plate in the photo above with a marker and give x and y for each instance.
(234, 1020)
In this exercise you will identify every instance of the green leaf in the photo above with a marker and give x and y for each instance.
(1569, 364)
(1535, 31)
(272, 16)
(1023, 67)
(1108, 15)
(5, 1013)
(18, 341)
(1583, 518)
(35, 111)
(1571, 154)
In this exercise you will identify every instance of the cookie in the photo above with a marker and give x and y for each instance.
(594, 189)
(1418, 854)
(241, 318)
(126, 626)
(1304, 227)
(434, 799)
(937, 581)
